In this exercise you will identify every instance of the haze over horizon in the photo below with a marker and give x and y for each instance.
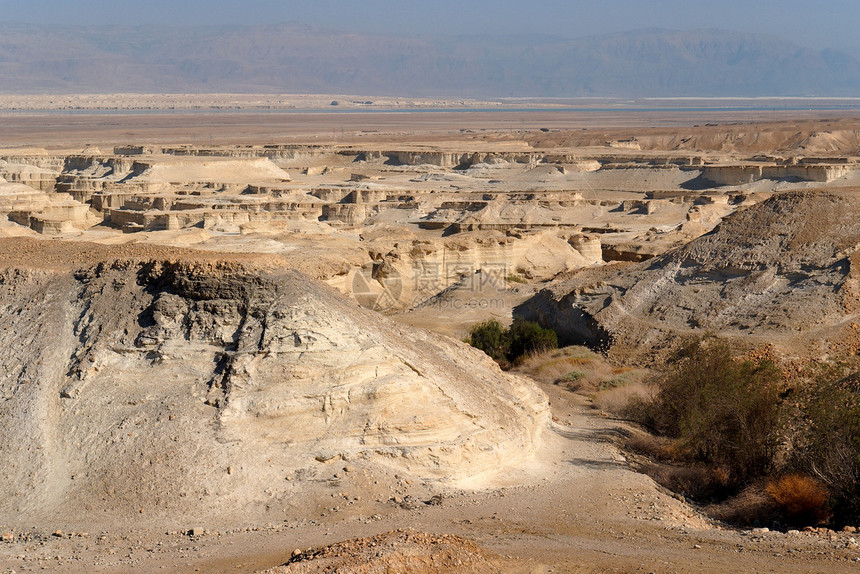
(826, 24)
(439, 49)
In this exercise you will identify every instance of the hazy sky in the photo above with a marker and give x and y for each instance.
(811, 23)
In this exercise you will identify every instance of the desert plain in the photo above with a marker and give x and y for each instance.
(232, 328)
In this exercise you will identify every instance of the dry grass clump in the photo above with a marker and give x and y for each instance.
(581, 370)
(654, 447)
(574, 367)
(673, 466)
(751, 507)
(616, 400)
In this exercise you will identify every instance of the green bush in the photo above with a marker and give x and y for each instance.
(529, 338)
(508, 345)
(723, 412)
(573, 376)
(492, 338)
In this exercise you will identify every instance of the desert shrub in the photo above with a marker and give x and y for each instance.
(751, 507)
(529, 338)
(723, 419)
(492, 338)
(830, 447)
(505, 346)
(697, 481)
(573, 376)
(799, 499)
(723, 412)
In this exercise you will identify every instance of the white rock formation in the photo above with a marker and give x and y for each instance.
(132, 384)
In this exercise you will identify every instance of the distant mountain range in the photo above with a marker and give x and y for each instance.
(293, 58)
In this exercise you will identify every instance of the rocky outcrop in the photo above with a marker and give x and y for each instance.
(742, 174)
(783, 272)
(204, 385)
(33, 176)
(404, 271)
(240, 171)
(43, 212)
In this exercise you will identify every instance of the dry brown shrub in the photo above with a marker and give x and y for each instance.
(799, 499)
(697, 481)
(752, 507)
(654, 447)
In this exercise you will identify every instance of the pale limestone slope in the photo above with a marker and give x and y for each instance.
(207, 388)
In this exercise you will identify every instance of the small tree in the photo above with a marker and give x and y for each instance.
(831, 452)
(528, 338)
(724, 412)
(491, 338)
(507, 345)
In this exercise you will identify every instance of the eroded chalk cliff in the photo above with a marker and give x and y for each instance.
(174, 383)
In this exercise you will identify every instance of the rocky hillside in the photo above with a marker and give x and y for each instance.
(291, 58)
(783, 272)
(161, 382)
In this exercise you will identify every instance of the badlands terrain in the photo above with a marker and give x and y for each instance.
(232, 341)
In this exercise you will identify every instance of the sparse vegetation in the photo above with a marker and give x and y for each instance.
(723, 431)
(573, 367)
(581, 370)
(799, 499)
(829, 447)
(573, 376)
(492, 338)
(507, 346)
(723, 412)
(727, 436)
